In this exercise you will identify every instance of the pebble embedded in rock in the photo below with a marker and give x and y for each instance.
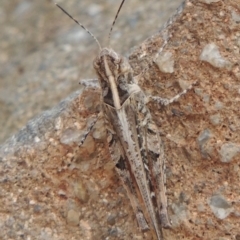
(72, 135)
(211, 54)
(204, 137)
(228, 151)
(202, 140)
(236, 16)
(81, 192)
(165, 62)
(215, 119)
(111, 219)
(219, 206)
(73, 217)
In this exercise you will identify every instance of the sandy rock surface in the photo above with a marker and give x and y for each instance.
(56, 183)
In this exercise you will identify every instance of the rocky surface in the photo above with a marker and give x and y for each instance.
(58, 181)
(44, 53)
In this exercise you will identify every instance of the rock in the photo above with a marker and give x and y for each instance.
(211, 54)
(220, 207)
(47, 181)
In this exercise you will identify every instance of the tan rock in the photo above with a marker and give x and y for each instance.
(44, 179)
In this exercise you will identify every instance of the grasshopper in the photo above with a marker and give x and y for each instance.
(134, 141)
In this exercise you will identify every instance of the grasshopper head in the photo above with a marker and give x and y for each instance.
(115, 75)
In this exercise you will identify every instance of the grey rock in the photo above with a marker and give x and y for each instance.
(219, 206)
(215, 119)
(165, 62)
(211, 54)
(228, 151)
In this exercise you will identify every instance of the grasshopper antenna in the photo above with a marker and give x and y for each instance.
(95, 39)
(110, 32)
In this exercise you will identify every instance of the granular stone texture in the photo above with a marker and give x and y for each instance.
(57, 180)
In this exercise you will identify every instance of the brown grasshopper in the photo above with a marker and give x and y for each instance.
(134, 141)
